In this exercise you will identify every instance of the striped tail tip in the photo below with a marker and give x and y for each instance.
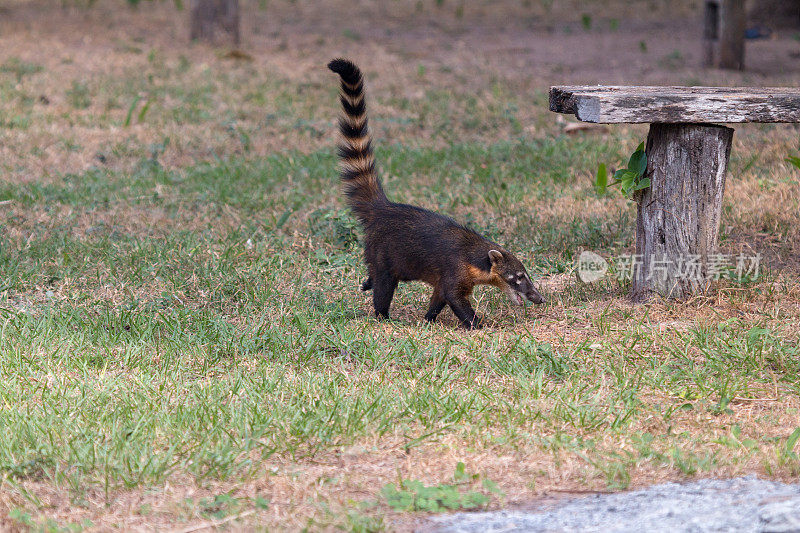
(345, 68)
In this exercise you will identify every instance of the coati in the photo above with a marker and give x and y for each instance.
(405, 242)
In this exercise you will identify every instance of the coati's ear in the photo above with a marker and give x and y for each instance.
(495, 257)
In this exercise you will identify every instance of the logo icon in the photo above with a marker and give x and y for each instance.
(591, 267)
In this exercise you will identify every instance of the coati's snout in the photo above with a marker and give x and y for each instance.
(535, 297)
(515, 280)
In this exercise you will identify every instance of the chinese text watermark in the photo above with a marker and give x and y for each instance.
(592, 267)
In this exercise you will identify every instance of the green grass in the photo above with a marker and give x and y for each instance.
(124, 396)
(233, 332)
(182, 337)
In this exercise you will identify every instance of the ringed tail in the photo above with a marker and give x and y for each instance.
(361, 184)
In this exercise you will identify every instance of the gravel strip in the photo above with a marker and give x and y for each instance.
(737, 505)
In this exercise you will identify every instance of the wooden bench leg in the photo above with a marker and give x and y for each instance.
(678, 215)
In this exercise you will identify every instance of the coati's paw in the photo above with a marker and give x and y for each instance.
(476, 323)
(367, 285)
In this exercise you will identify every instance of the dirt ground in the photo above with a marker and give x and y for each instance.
(625, 42)
(464, 47)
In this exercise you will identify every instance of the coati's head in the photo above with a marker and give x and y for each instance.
(515, 280)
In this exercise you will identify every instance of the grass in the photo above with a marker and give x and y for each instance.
(182, 339)
(225, 333)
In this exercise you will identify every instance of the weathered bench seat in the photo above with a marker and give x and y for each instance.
(687, 158)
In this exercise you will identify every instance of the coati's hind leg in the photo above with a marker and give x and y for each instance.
(437, 304)
(459, 303)
(383, 286)
(367, 285)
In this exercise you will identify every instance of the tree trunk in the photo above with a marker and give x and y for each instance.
(775, 13)
(731, 35)
(208, 15)
(723, 34)
(710, 32)
(679, 214)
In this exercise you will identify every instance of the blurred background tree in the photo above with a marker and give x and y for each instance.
(208, 16)
(775, 13)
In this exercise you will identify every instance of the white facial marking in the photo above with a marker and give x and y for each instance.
(514, 296)
(519, 282)
(519, 274)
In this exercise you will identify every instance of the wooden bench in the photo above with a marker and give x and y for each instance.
(687, 157)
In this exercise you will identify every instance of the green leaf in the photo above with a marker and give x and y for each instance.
(451, 499)
(754, 334)
(628, 180)
(794, 160)
(619, 174)
(261, 502)
(284, 217)
(130, 111)
(601, 180)
(492, 487)
(638, 162)
(143, 112)
(750, 444)
(642, 184)
(472, 500)
(413, 484)
(792, 440)
(460, 474)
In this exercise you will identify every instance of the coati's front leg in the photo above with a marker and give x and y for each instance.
(458, 300)
(437, 304)
(383, 286)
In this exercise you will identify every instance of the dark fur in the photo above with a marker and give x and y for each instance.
(405, 242)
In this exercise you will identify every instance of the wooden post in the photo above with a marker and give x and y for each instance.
(207, 15)
(710, 32)
(731, 35)
(724, 24)
(687, 157)
(678, 215)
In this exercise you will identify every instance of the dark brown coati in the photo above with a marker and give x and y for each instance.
(405, 242)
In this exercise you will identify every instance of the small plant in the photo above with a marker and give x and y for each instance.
(220, 506)
(132, 108)
(629, 179)
(415, 496)
(786, 453)
(78, 95)
(261, 502)
(410, 495)
(20, 68)
(334, 226)
(672, 61)
(794, 160)
(20, 516)
(351, 34)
